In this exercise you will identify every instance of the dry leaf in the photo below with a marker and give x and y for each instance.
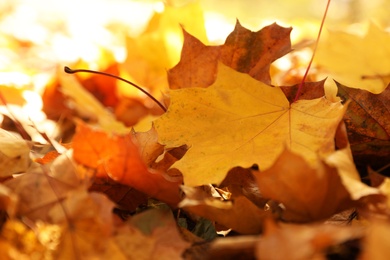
(103, 88)
(244, 51)
(118, 157)
(367, 120)
(239, 121)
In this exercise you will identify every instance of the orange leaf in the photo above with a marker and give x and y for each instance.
(118, 157)
(103, 88)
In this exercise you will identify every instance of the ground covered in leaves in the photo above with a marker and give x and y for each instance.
(236, 161)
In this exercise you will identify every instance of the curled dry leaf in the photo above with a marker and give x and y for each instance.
(244, 51)
(239, 214)
(239, 121)
(118, 157)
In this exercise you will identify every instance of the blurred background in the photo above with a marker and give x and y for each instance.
(70, 30)
(140, 40)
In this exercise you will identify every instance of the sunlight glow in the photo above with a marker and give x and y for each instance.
(217, 27)
(33, 106)
(159, 7)
(14, 78)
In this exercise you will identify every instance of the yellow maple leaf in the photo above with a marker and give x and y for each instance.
(239, 121)
(357, 62)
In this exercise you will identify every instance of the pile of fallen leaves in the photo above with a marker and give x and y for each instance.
(227, 166)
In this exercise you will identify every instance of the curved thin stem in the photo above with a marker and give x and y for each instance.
(71, 71)
(314, 52)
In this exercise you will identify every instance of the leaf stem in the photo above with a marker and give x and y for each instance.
(314, 52)
(71, 71)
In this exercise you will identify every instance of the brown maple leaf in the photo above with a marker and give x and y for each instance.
(367, 119)
(244, 50)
